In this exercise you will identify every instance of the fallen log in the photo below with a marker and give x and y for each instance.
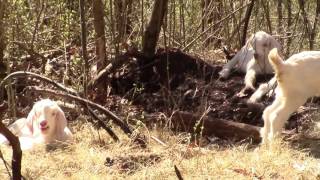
(184, 121)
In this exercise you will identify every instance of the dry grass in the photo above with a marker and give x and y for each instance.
(86, 159)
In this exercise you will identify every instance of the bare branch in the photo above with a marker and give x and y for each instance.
(16, 151)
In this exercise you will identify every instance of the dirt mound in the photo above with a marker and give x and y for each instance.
(186, 83)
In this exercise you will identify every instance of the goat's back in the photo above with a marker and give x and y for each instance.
(301, 72)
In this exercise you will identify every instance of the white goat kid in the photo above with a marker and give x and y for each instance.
(46, 123)
(252, 59)
(298, 79)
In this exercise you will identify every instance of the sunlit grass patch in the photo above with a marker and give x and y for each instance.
(93, 155)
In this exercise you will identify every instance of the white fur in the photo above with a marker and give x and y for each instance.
(252, 58)
(46, 123)
(263, 89)
(298, 79)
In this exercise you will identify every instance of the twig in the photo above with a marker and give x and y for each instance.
(159, 141)
(178, 173)
(6, 164)
(213, 25)
(37, 76)
(100, 123)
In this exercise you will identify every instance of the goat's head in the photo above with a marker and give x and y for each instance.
(47, 119)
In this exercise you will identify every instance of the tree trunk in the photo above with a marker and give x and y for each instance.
(2, 34)
(279, 11)
(98, 17)
(128, 21)
(182, 22)
(221, 128)
(266, 9)
(84, 44)
(314, 28)
(305, 20)
(203, 14)
(246, 23)
(151, 34)
(289, 23)
(123, 10)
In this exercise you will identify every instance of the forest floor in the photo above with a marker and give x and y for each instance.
(93, 154)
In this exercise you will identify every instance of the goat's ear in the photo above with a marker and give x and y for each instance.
(31, 118)
(61, 123)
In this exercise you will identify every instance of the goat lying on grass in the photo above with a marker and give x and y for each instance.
(252, 59)
(298, 79)
(46, 123)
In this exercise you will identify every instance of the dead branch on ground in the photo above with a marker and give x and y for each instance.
(16, 151)
(221, 128)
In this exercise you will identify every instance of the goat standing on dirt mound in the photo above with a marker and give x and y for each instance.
(298, 79)
(252, 59)
(46, 123)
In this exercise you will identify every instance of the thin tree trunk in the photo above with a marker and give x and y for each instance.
(279, 11)
(289, 30)
(142, 17)
(314, 28)
(305, 19)
(236, 25)
(203, 14)
(118, 13)
(246, 23)
(128, 22)
(113, 29)
(151, 34)
(84, 44)
(182, 22)
(2, 30)
(174, 19)
(98, 17)
(266, 9)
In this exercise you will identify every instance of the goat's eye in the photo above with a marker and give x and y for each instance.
(53, 114)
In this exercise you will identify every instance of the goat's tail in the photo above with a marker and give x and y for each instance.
(275, 60)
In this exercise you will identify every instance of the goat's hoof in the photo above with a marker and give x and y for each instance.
(224, 74)
(246, 91)
(241, 94)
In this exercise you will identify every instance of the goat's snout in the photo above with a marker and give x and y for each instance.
(43, 123)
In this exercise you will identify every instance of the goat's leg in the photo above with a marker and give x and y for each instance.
(249, 80)
(262, 90)
(266, 118)
(281, 114)
(226, 70)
